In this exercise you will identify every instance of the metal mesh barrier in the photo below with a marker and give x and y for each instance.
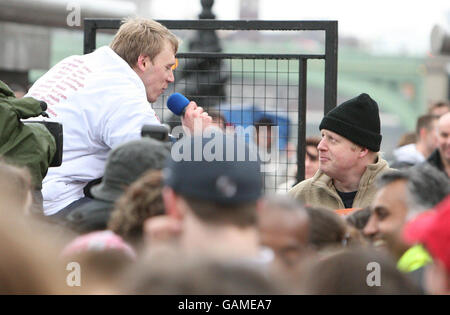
(263, 96)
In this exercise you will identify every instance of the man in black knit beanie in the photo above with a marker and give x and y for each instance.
(348, 156)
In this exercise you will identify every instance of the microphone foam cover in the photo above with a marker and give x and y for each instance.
(176, 103)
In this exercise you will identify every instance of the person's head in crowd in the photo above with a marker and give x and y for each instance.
(348, 157)
(142, 200)
(311, 156)
(264, 132)
(102, 256)
(355, 271)
(355, 221)
(213, 192)
(443, 134)
(407, 138)
(350, 138)
(426, 134)
(176, 274)
(15, 189)
(125, 164)
(432, 229)
(218, 119)
(439, 108)
(29, 261)
(284, 227)
(359, 218)
(128, 162)
(327, 230)
(401, 195)
(149, 48)
(417, 152)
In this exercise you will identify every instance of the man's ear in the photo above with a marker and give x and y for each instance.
(363, 152)
(423, 132)
(143, 62)
(172, 203)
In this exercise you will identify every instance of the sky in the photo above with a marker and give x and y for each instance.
(388, 26)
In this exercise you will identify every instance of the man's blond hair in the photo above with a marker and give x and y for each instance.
(137, 36)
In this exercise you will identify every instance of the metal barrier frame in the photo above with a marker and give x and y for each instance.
(331, 50)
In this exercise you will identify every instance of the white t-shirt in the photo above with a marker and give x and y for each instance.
(409, 154)
(101, 102)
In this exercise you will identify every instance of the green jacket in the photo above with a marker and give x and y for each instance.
(33, 145)
(319, 190)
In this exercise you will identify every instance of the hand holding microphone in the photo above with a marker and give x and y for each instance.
(189, 111)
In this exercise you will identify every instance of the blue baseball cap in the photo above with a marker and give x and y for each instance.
(221, 168)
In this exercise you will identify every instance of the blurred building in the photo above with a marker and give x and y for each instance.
(248, 9)
(438, 65)
(26, 26)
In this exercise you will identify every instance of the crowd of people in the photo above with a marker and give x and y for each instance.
(130, 215)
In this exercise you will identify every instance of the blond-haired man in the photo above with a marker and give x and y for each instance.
(102, 100)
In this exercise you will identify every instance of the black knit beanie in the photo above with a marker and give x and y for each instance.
(358, 120)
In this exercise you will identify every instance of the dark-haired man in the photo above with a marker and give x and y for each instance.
(212, 201)
(440, 158)
(413, 153)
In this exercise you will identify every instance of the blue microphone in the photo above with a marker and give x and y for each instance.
(177, 104)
